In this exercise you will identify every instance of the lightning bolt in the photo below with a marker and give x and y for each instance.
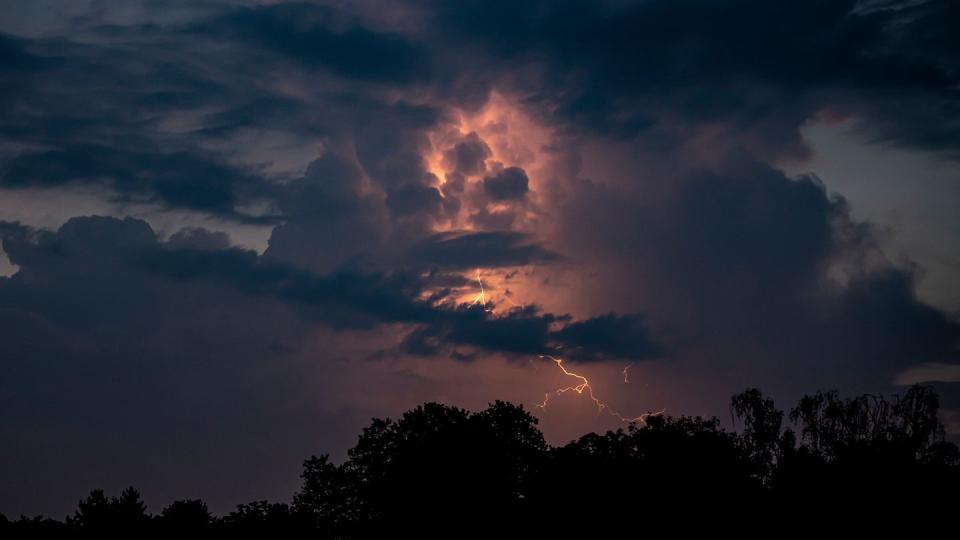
(482, 297)
(584, 386)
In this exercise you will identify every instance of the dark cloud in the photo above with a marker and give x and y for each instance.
(414, 199)
(12, 229)
(331, 220)
(14, 58)
(343, 299)
(521, 331)
(528, 332)
(177, 179)
(625, 68)
(187, 135)
(73, 122)
(467, 157)
(465, 251)
(608, 336)
(507, 185)
(198, 238)
(753, 264)
(320, 36)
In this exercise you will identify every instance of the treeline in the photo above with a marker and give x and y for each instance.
(441, 470)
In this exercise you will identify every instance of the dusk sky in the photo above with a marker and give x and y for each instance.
(234, 231)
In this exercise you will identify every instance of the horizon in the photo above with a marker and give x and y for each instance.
(842, 435)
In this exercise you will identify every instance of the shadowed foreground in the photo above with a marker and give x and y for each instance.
(441, 470)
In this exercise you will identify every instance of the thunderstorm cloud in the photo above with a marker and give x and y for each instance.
(225, 223)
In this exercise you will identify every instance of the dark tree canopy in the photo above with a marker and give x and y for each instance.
(445, 471)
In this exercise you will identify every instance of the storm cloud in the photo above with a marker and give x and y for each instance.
(311, 213)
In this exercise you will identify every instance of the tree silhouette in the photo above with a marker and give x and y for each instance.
(762, 438)
(261, 517)
(128, 511)
(444, 462)
(185, 515)
(37, 525)
(328, 500)
(97, 513)
(93, 513)
(442, 471)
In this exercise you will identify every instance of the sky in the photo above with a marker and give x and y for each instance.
(233, 231)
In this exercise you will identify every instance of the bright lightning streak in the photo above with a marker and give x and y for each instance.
(481, 298)
(585, 386)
